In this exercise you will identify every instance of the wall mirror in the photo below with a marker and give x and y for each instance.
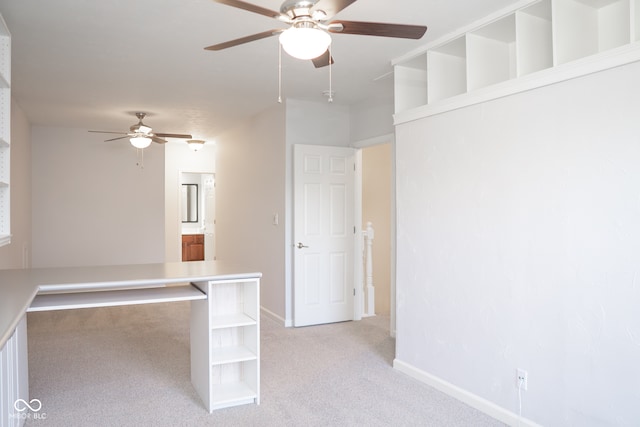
(189, 202)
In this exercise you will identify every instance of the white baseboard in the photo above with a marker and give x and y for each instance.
(477, 402)
(270, 314)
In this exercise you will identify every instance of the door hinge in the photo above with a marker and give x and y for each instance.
(354, 292)
(354, 229)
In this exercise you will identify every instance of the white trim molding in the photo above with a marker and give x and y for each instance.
(376, 140)
(477, 402)
(271, 315)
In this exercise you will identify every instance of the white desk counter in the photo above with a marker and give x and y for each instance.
(212, 287)
(16, 294)
(19, 287)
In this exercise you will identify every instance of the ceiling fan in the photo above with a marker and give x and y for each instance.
(309, 26)
(140, 135)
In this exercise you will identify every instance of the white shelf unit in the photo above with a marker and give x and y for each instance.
(531, 44)
(225, 343)
(5, 132)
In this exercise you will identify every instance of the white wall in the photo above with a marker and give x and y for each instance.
(250, 187)
(317, 123)
(92, 205)
(17, 253)
(519, 247)
(371, 121)
(180, 158)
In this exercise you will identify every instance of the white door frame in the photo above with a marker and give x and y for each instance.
(359, 145)
(358, 273)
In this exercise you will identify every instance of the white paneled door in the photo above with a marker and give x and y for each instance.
(324, 234)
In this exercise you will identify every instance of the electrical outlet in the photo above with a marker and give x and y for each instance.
(522, 378)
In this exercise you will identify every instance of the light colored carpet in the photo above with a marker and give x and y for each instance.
(129, 366)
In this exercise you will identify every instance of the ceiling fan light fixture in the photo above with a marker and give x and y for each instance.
(140, 141)
(305, 42)
(195, 144)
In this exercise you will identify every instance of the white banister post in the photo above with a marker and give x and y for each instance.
(369, 289)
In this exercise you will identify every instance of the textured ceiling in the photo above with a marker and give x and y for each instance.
(92, 64)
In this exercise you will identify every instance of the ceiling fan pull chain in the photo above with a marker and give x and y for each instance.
(279, 73)
(140, 157)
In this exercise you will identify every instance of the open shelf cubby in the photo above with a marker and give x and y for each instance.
(587, 27)
(412, 79)
(491, 53)
(447, 70)
(534, 38)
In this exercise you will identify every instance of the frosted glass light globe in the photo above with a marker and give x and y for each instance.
(305, 43)
(140, 141)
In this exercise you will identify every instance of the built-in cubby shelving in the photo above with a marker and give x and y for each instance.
(531, 44)
(225, 333)
(5, 132)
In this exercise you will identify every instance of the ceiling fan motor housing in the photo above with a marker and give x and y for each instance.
(140, 128)
(296, 9)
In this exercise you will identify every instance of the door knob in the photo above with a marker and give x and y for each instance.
(300, 245)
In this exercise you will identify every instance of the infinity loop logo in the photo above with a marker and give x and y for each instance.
(22, 405)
